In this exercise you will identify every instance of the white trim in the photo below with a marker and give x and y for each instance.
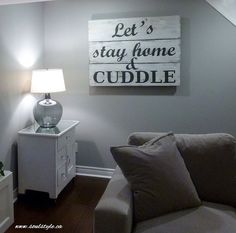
(83, 171)
(226, 8)
(94, 171)
(9, 2)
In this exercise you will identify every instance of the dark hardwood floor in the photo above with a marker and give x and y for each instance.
(73, 209)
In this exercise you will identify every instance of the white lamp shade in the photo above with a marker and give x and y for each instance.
(47, 81)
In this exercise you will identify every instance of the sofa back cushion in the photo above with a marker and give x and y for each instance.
(210, 159)
(158, 177)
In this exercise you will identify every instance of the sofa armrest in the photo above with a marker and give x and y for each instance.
(114, 212)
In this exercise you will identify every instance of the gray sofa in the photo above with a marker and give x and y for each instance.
(211, 161)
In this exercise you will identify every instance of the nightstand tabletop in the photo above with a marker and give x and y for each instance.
(62, 127)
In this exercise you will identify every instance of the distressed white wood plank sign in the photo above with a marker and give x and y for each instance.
(144, 75)
(145, 51)
(141, 51)
(141, 28)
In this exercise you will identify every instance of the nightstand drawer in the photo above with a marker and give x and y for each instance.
(61, 175)
(62, 156)
(65, 139)
(71, 172)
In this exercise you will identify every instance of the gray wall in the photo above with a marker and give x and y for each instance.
(21, 46)
(204, 103)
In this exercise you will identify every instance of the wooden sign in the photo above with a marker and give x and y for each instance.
(135, 52)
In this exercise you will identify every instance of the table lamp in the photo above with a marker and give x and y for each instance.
(47, 112)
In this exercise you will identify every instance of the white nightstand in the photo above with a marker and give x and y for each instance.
(46, 158)
(6, 201)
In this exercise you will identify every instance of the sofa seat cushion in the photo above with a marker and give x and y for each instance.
(208, 218)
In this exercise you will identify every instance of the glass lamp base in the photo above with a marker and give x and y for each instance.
(47, 113)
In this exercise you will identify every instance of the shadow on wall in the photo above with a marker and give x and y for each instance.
(132, 90)
(13, 155)
(88, 152)
(20, 110)
(12, 159)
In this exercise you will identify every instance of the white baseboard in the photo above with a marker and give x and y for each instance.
(83, 171)
(94, 171)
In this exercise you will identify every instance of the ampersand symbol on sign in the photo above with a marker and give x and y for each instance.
(131, 65)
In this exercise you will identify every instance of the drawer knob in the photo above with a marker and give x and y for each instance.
(63, 157)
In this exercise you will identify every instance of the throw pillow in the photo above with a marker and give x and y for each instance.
(158, 177)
